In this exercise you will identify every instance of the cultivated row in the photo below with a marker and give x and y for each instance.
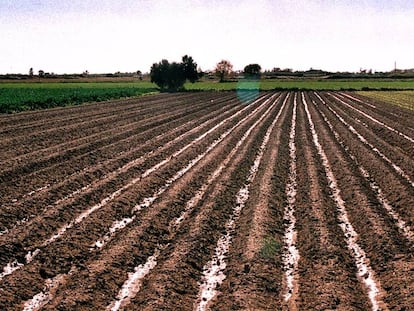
(287, 201)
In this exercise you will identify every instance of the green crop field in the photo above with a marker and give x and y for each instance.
(306, 84)
(399, 98)
(21, 96)
(29, 96)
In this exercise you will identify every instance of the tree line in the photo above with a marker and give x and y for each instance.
(172, 76)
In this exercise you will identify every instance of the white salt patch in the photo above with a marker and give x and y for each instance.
(15, 265)
(10, 268)
(41, 299)
(116, 225)
(291, 256)
(133, 284)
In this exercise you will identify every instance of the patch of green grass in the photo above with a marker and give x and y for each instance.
(304, 84)
(16, 97)
(403, 99)
(269, 248)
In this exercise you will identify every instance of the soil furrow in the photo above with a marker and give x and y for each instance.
(195, 242)
(62, 116)
(88, 126)
(209, 201)
(214, 271)
(328, 278)
(60, 213)
(86, 179)
(87, 141)
(384, 134)
(55, 246)
(384, 181)
(390, 254)
(402, 119)
(365, 271)
(398, 185)
(176, 223)
(291, 253)
(254, 262)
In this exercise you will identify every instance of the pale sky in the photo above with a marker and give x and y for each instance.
(70, 36)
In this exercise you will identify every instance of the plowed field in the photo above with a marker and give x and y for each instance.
(209, 201)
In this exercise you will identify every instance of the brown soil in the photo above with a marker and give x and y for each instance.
(58, 163)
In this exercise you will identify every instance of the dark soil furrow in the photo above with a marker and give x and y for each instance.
(395, 188)
(62, 116)
(399, 118)
(195, 242)
(378, 236)
(82, 243)
(327, 273)
(98, 162)
(199, 201)
(254, 263)
(64, 212)
(78, 144)
(384, 133)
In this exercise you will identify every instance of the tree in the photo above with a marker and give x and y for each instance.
(190, 68)
(160, 74)
(31, 72)
(172, 76)
(41, 73)
(252, 70)
(223, 69)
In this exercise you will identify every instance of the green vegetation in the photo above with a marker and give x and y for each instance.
(29, 96)
(403, 99)
(252, 70)
(172, 76)
(21, 96)
(270, 247)
(306, 84)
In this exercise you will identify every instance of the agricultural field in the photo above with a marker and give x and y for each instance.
(307, 84)
(29, 95)
(209, 201)
(15, 97)
(403, 99)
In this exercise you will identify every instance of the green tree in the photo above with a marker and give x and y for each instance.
(223, 69)
(252, 71)
(172, 76)
(190, 68)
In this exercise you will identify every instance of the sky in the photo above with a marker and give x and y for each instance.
(106, 36)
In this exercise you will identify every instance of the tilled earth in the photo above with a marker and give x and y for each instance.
(209, 201)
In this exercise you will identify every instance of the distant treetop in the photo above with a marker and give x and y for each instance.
(172, 76)
(252, 70)
(224, 69)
